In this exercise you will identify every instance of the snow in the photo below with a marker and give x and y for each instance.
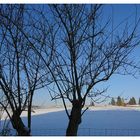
(110, 107)
(36, 112)
(96, 121)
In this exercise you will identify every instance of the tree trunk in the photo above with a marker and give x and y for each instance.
(19, 126)
(29, 119)
(29, 112)
(75, 119)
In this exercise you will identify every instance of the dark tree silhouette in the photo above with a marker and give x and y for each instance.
(139, 101)
(119, 101)
(132, 101)
(21, 70)
(113, 101)
(87, 54)
(84, 52)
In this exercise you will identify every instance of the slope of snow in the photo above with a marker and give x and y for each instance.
(96, 121)
(117, 121)
(36, 112)
(110, 107)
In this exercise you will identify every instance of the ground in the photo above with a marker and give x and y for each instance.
(96, 121)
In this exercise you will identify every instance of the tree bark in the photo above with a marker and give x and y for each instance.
(75, 119)
(29, 112)
(19, 126)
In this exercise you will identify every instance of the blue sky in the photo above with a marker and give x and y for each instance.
(126, 86)
(118, 85)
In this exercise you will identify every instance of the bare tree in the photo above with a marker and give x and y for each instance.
(20, 68)
(4, 122)
(85, 53)
(88, 52)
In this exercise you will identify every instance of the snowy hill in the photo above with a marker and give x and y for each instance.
(117, 121)
(96, 121)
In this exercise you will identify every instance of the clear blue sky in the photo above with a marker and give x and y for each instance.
(126, 86)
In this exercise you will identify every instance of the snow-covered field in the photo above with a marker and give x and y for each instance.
(96, 121)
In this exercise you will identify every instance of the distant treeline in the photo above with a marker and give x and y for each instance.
(120, 101)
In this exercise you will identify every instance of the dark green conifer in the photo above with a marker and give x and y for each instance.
(119, 101)
(113, 101)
